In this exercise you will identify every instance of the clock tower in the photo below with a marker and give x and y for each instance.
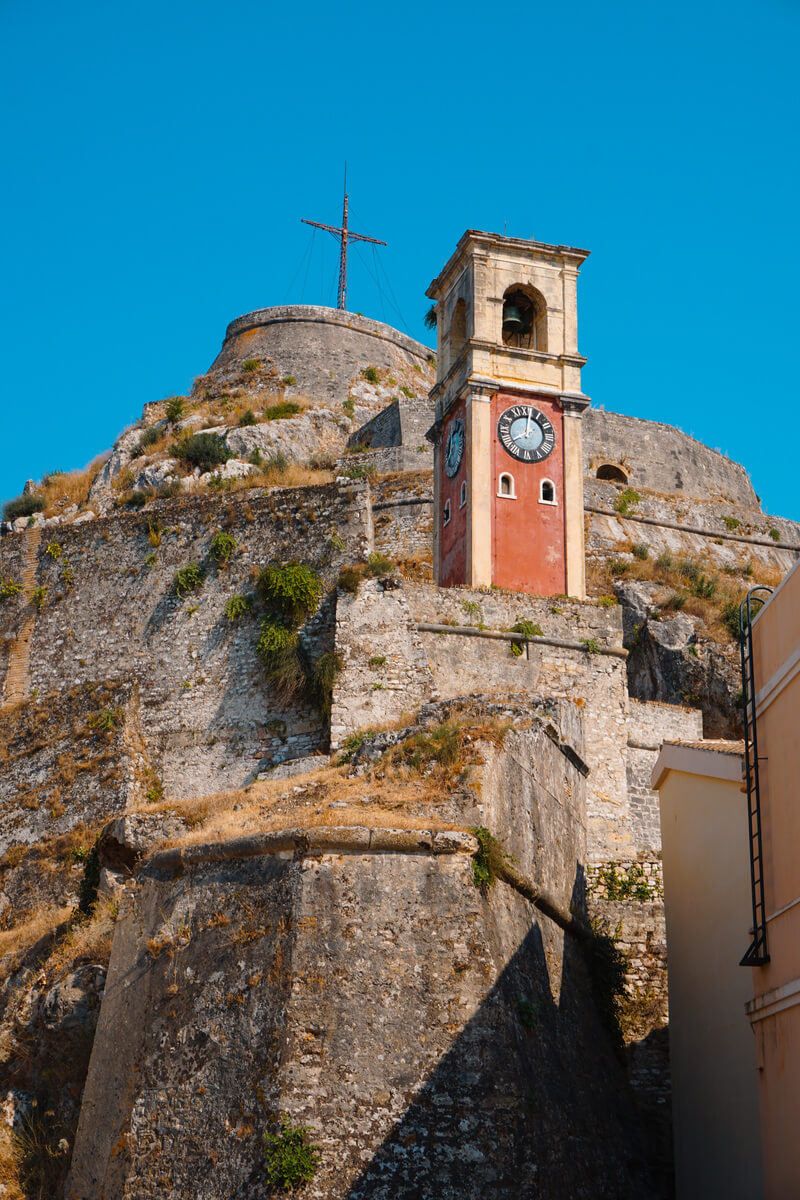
(508, 461)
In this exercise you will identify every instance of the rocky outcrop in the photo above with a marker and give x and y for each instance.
(671, 661)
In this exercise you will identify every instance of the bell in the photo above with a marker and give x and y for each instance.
(512, 320)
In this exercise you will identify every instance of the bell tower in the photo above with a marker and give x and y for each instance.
(508, 462)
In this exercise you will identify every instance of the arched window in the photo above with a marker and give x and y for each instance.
(547, 492)
(505, 487)
(524, 318)
(463, 496)
(609, 471)
(457, 333)
(446, 515)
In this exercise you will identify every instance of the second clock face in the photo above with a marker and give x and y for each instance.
(454, 447)
(525, 433)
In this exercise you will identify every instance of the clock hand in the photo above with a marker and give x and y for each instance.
(528, 426)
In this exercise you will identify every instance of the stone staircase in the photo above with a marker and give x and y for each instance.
(17, 682)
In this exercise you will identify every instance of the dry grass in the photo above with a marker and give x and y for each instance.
(293, 475)
(15, 943)
(60, 491)
(679, 593)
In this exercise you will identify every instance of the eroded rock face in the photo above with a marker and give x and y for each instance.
(669, 660)
(74, 1002)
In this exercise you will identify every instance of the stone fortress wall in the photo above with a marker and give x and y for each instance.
(322, 348)
(195, 711)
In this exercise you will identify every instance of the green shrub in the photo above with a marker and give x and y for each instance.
(591, 645)
(688, 569)
(105, 719)
(350, 578)
(484, 860)
(640, 550)
(138, 498)
(371, 375)
(248, 418)
(473, 609)
(351, 744)
(323, 678)
(360, 471)
(732, 522)
(291, 1159)
(288, 380)
(357, 448)
(9, 587)
(148, 439)
(664, 561)
(703, 586)
(630, 884)
(90, 882)
(607, 601)
(174, 409)
(237, 606)
(222, 546)
(251, 364)
(291, 589)
(626, 500)
(676, 601)
(39, 596)
(407, 392)
(618, 566)
(775, 534)
(379, 564)
(377, 660)
(279, 650)
(349, 406)
(277, 412)
(528, 629)
(23, 506)
(731, 618)
(187, 579)
(203, 450)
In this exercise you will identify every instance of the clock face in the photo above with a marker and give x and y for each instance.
(454, 447)
(525, 433)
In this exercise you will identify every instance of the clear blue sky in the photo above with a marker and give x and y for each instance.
(158, 158)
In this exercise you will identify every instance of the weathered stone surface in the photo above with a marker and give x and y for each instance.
(334, 986)
(74, 1001)
(127, 839)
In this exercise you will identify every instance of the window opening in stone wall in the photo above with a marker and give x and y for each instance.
(609, 471)
(506, 487)
(547, 492)
(524, 318)
(446, 512)
(463, 496)
(458, 331)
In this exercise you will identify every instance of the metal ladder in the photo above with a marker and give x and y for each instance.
(756, 955)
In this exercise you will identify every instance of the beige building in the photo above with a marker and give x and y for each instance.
(774, 1009)
(708, 913)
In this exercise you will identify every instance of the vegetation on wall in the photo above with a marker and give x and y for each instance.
(203, 450)
(291, 1158)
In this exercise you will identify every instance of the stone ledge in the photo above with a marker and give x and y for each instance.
(709, 533)
(519, 638)
(299, 842)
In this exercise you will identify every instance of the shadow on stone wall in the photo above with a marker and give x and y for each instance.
(530, 1101)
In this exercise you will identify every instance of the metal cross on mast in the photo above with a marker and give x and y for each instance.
(343, 236)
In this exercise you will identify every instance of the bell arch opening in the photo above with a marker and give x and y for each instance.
(524, 318)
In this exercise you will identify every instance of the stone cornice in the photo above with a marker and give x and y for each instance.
(571, 256)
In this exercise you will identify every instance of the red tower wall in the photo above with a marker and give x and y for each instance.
(528, 537)
(453, 542)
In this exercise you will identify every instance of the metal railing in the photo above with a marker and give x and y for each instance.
(756, 955)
